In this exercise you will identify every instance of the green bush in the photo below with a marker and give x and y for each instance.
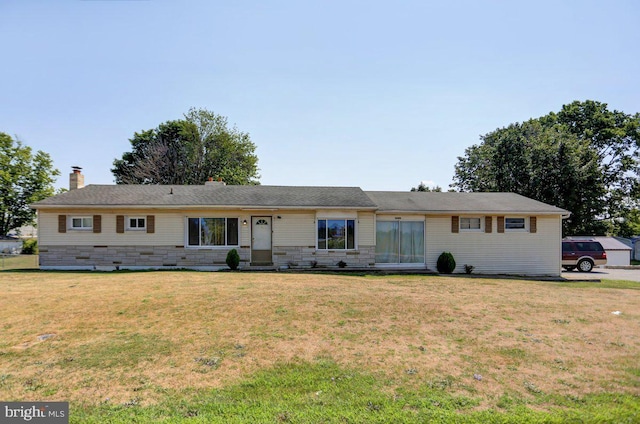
(446, 264)
(30, 247)
(233, 259)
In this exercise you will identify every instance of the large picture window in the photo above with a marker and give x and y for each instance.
(336, 234)
(212, 232)
(399, 242)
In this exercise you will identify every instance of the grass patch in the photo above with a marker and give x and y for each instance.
(283, 347)
(12, 262)
(323, 391)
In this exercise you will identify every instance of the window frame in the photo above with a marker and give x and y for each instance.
(226, 244)
(523, 229)
(480, 228)
(136, 228)
(346, 235)
(82, 219)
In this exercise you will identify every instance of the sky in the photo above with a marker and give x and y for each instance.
(373, 94)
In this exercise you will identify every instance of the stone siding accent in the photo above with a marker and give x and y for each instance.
(136, 256)
(305, 257)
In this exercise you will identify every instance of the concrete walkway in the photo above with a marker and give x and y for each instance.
(627, 274)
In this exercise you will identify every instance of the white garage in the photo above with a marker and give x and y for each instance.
(618, 253)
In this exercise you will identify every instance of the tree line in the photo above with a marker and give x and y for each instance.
(584, 158)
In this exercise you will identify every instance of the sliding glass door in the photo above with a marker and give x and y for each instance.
(399, 242)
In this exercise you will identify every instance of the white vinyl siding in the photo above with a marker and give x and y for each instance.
(294, 229)
(511, 252)
(169, 230)
(366, 229)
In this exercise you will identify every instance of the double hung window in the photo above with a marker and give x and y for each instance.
(514, 224)
(81, 223)
(470, 224)
(137, 223)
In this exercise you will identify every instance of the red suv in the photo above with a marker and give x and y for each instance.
(582, 254)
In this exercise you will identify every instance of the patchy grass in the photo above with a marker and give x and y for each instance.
(252, 347)
(11, 262)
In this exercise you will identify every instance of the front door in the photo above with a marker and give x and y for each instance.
(261, 240)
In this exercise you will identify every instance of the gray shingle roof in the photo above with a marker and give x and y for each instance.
(450, 202)
(294, 197)
(247, 196)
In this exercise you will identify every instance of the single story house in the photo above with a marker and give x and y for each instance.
(158, 226)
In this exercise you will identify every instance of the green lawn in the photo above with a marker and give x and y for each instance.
(237, 347)
(8, 262)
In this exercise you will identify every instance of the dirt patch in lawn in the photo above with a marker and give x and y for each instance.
(134, 335)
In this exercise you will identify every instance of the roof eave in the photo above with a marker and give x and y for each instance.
(191, 206)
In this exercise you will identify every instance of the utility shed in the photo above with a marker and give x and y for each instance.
(618, 253)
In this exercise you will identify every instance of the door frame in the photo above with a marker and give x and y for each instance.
(262, 256)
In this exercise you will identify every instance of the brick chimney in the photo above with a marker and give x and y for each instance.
(76, 179)
(210, 182)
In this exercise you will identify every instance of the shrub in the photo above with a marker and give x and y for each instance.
(446, 264)
(233, 259)
(468, 268)
(30, 247)
(342, 264)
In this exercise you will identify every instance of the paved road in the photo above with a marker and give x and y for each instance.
(604, 273)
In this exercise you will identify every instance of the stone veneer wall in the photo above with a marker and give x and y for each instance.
(135, 256)
(115, 257)
(303, 257)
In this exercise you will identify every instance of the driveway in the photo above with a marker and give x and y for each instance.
(604, 274)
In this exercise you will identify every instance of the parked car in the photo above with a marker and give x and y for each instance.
(582, 254)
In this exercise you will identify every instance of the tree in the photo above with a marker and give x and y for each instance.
(24, 179)
(423, 187)
(543, 161)
(189, 151)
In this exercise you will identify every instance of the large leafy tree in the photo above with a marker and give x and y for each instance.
(25, 178)
(188, 151)
(584, 159)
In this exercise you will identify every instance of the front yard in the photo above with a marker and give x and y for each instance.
(280, 347)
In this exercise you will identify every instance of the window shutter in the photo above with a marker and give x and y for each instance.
(501, 224)
(488, 224)
(97, 223)
(533, 224)
(62, 223)
(455, 224)
(119, 223)
(151, 224)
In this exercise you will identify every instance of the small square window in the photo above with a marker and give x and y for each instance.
(82, 223)
(470, 224)
(514, 224)
(137, 223)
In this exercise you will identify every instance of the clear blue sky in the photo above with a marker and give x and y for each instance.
(380, 95)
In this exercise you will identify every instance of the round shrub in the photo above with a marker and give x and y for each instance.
(30, 247)
(446, 264)
(233, 259)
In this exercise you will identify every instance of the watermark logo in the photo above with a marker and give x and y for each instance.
(34, 412)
